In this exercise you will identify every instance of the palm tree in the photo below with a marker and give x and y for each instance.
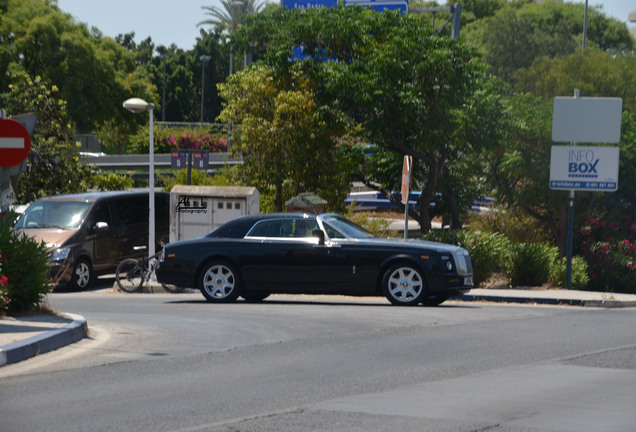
(230, 14)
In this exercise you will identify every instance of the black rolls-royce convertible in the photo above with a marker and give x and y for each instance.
(297, 253)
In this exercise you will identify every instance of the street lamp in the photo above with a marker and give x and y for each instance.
(137, 105)
(204, 60)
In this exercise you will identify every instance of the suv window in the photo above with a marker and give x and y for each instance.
(133, 210)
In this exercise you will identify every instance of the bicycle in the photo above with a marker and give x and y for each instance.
(132, 274)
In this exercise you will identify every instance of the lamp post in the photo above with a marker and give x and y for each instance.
(137, 105)
(204, 60)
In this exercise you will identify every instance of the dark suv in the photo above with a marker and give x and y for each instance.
(91, 233)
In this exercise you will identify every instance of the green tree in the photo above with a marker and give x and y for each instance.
(406, 88)
(594, 72)
(285, 139)
(230, 15)
(53, 166)
(94, 74)
(522, 31)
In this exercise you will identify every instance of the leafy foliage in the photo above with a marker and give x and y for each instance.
(285, 139)
(521, 32)
(91, 72)
(25, 268)
(385, 71)
(53, 166)
(594, 72)
(579, 277)
(230, 15)
(530, 264)
(168, 139)
(487, 250)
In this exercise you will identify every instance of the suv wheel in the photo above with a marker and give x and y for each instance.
(82, 274)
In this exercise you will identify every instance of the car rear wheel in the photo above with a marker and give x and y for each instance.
(82, 274)
(220, 282)
(403, 285)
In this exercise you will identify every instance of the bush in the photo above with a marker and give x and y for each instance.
(25, 268)
(558, 275)
(4, 291)
(378, 226)
(607, 243)
(167, 139)
(487, 250)
(111, 181)
(514, 224)
(612, 267)
(227, 176)
(529, 264)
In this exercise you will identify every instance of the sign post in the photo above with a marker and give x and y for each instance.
(589, 120)
(407, 174)
(15, 144)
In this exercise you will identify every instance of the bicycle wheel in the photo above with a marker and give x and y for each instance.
(174, 289)
(130, 275)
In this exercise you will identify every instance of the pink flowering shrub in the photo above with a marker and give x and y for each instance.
(168, 139)
(4, 291)
(606, 240)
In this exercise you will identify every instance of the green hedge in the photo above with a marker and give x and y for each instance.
(24, 277)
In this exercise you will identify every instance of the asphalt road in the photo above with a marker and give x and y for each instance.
(177, 363)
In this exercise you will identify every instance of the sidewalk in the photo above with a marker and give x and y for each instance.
(25, 337)
(28, 336)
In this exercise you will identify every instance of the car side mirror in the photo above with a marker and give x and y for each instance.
(101, 226)
(319, 235)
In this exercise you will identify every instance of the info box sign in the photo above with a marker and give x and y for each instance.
(588, 120)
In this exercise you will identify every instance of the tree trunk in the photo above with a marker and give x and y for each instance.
(427, 194)
(456, 223)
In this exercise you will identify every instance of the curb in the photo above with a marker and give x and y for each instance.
(548, 301)
(45, 342)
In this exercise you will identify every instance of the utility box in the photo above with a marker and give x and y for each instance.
(197, 210)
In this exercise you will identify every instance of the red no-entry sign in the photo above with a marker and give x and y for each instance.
(15, 143)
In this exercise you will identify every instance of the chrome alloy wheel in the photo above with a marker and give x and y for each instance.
(219, 283)
(404, 285)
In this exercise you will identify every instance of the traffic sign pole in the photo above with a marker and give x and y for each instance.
(15, 144)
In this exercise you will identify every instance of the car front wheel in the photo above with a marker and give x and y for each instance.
(220, 282)
(403, 285)
(82, 274)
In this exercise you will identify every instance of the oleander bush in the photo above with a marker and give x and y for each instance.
(606, 240)
(530, 264)
(558, 274)
(167, 139)
(24, 267)
(487, 250)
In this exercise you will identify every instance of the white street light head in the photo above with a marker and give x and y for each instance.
(137, 105)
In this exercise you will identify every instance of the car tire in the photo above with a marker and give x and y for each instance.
(220, 282)
(404, 285)
(82, 274)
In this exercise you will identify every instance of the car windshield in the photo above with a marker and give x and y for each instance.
(54, 214)
(339, 227)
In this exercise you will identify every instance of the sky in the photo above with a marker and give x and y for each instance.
(170, 21)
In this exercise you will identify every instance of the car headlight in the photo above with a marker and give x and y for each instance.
(447, 262)
(460, 261)
(60, 254)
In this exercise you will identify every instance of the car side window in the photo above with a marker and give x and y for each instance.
(332, 232)
(284, 228)
(259, 230)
